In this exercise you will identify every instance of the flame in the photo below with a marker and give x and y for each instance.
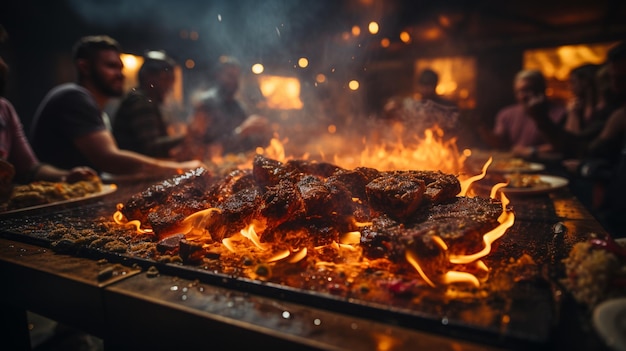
(193, 226)
(119, 218)
(250, 234)
(279, 256)
(452, 277)
(411, 257)
(432, 152)
(298, 255)
(466, 184)
(350, 238)
(506, 219)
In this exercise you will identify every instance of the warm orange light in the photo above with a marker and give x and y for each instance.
(373, 27)
(405, 37)
(281, 92)
(303, 62)
(353, 85)
(257, 68)
(356, 31)
(385, 42)
(189, 63)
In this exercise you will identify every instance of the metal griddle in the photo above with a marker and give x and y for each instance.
(531, 315)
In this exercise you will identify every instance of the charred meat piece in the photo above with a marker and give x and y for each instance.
(324, 199)
(308, 232)
(381, 239)
(355, 180)
(237, 211)
(230, 184)
(281, 203)
(439, 186)
(164, 204)
(429, 254)
(315, 195)
(398, 194)
(320, 169)
(460, 223)
(266, 171)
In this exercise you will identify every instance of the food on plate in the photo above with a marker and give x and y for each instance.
(45, 192)
(595, 270)
(522, 180)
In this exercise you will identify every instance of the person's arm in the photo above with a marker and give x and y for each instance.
(101, 149)
(569, 144)
(609, 137)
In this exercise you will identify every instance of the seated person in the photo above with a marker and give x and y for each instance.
(427, 88)
(515, 129)
(138, 124)
(219, 119)
(69, 129)
(608, 142)
(19, 163)
(602, 158)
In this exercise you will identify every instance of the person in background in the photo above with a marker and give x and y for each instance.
(69, 129)
(20, 164)
(219, 121)
(138, 124)
(582, 106)
(515, 129)
(427, 83)
(602, 158)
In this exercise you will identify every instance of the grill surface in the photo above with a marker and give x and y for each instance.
(528, 313)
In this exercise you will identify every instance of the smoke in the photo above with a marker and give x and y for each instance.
(273, 32)
(240, 28)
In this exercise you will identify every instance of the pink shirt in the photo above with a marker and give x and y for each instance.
(519, 129)
(14, 146)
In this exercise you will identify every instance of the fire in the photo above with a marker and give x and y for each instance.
(506, 220)
(432, 152)
(428, 152)
(119, 218)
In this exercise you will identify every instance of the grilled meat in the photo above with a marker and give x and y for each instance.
(310, 204)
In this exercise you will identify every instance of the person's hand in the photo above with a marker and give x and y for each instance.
(575, 105)
(572, 165)
(252, 125)
(80, 173)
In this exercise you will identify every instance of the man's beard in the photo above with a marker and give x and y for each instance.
(105, 87)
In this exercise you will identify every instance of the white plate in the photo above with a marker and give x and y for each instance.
(609, 320)
(554, 183)
(106, 189)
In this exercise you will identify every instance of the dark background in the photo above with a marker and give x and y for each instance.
(277, 32)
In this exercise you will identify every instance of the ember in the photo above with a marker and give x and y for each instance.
(282, 221)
